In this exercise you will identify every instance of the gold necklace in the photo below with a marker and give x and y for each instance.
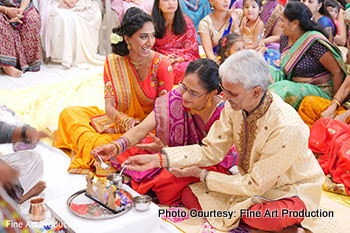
(194, 111)
(137, 64)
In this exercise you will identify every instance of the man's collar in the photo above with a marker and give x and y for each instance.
(261, 109)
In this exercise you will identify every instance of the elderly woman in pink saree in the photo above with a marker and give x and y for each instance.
(182, 117)
(19, 37)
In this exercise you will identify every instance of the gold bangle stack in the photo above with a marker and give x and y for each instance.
(335, 100)
(121, 119)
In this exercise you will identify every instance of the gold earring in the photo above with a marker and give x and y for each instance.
(212, 6)
(129, 46)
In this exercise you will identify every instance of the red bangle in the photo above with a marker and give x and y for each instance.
(160, 159)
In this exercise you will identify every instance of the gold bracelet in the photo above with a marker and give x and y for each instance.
(117, 145)
(335, 100)
(5, 11)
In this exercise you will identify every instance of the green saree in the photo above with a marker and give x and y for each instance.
(320, 85)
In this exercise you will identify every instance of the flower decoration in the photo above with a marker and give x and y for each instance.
(115, 38)
(224, 41)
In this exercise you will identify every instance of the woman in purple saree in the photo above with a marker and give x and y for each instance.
(182, 117)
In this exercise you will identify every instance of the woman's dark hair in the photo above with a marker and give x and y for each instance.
(342, 3)
(224, 47)
(324, 11)
(208, 73)
(133, 20)
(179, 24)
(299, 11)
(332, 3)
(257, 2)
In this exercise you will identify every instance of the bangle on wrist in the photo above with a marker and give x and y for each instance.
(203, 173)
(163, 152)
(205, 179)
(335, 100)
(5, 11)
(160, 159)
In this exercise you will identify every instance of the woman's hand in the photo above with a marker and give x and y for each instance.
(235, 18)
(155, 146)
(71, 3)
(343, 117)
(142, 162)
(330, 111)
(132, 123)
(108, 130)
(171, 58)
(193, 171)
(179, 60)
(106, 151)
(14, 14)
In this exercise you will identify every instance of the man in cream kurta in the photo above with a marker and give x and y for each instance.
(272, 144)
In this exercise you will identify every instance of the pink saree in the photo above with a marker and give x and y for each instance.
(20, 43)
(185, 45)
(175, 126)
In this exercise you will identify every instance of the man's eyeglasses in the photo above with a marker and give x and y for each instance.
(226, 91)
(192, 93)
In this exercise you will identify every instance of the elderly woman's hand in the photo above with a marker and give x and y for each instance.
(106, 152)
(154, 146)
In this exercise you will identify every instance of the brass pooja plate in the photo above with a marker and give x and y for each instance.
(87, 207)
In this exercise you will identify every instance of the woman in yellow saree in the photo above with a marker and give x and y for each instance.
(313, 108)
(134, 77)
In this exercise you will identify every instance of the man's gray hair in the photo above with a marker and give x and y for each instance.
(247, 68)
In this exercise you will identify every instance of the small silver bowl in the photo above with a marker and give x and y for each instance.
(116, 179)
(141, 203)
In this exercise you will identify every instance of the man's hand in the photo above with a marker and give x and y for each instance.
(34, 136)
(193, 171)
(142, 162)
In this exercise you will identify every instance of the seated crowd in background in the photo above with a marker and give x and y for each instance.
(303, 43)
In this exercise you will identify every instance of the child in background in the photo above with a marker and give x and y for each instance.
(228, 45)
(252, 27)
(333, 9)
(215, 26)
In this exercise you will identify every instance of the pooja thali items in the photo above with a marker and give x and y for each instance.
(142, 203)
(37, 209)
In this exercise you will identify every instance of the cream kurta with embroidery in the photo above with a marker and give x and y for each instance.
(274, 161)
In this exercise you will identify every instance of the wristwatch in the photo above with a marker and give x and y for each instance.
(23, 133)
